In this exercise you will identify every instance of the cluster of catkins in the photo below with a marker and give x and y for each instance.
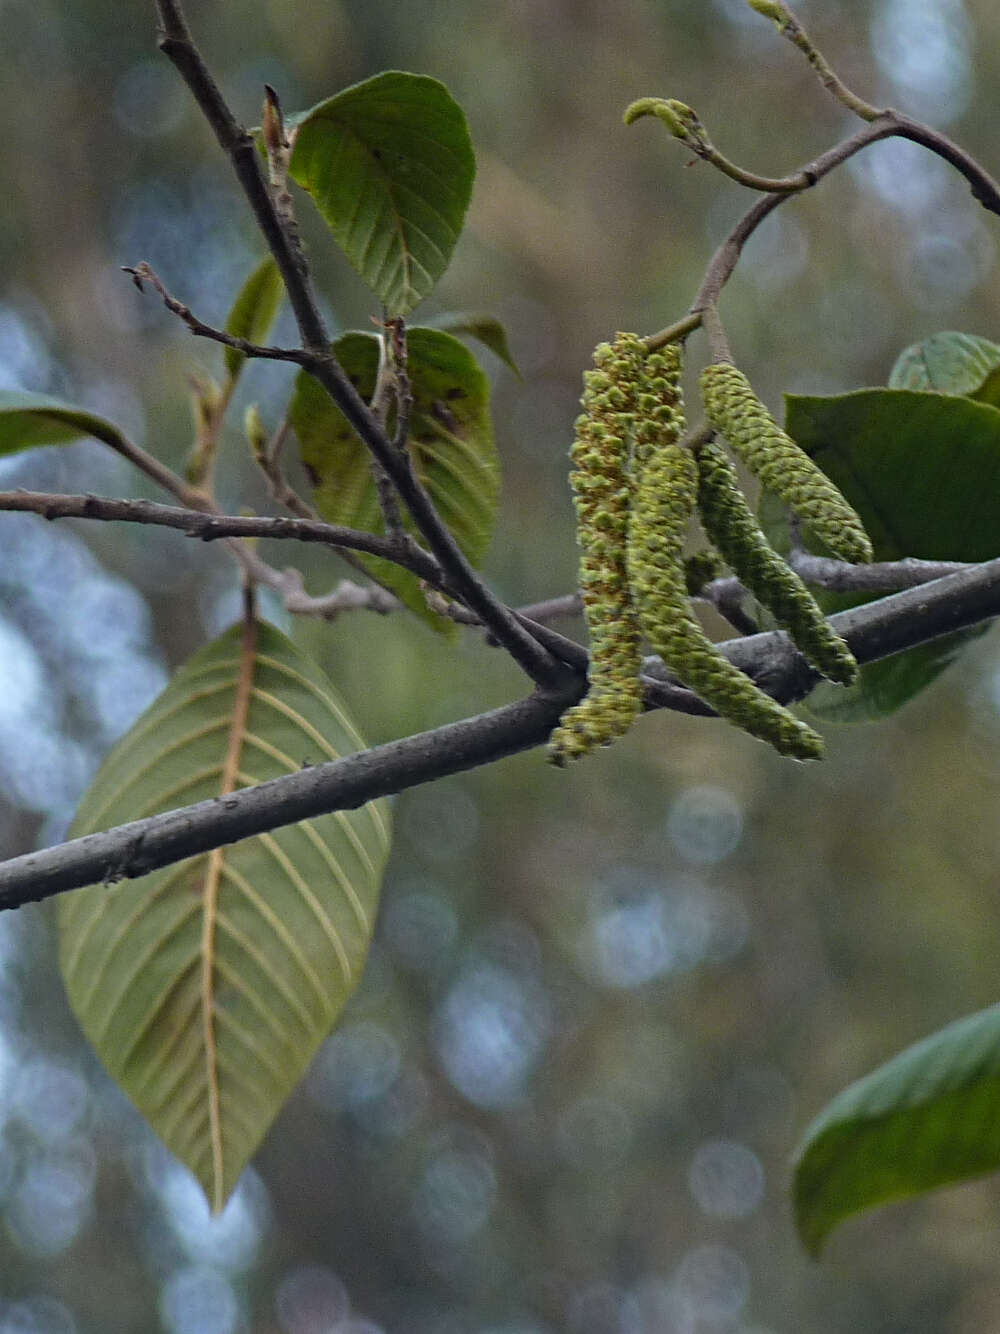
(636, 489)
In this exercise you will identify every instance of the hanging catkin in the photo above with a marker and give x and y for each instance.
(665, 492)
(733, 408)
(601, 494)
(729, 522)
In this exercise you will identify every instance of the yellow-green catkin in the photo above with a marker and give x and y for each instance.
(664, 501)
(729, 522)
(600, 482)
(733, 408)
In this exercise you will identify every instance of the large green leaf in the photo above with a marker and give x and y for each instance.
(951, 363)
(929, 1117)
(451, 441)
(27, 420)
(923, 471)
(254, 311)
(390, 165)
(207, 986)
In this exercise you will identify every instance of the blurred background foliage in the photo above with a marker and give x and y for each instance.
(602, 1005)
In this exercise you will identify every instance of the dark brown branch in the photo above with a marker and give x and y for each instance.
(142, 273)
(727, 256)
(211, 527)
(889, 124)
(873, 631)
(821, 571)
(177, 44)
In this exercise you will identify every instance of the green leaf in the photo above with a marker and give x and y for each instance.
(927, 1118)
(206, 987)
(451, 442)
(951, 363)
(27, 420)
(254, 311)
(486, 329)
(923, 471)
(390, 165)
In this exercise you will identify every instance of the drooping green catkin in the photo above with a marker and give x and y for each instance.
(660, 406)
(701, 568)
(600, 482)
(664, 501)
(736, 412)
(729, 523)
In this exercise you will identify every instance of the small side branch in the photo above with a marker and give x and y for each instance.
(142, 273)
(790, 28)
(684, 124)
(885, 125)
(211, 527)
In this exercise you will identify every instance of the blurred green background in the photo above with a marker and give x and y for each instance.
(602, 1005)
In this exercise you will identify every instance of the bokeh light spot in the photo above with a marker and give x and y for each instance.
(490, 1031)
(705, 824)
(311, 1300)
(454, 1196)
(199, 1301)
(716, 1281)
(726, 1179)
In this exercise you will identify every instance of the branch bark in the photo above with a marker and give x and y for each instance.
(876, 630)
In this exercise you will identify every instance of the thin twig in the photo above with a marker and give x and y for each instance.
(399, 354)
(268, 459)
(790, 27)
(553, 609)
(685, 125)
(673, 333)
(880, 577)
(889, 124)
(211, 526)
(821, 571)
(143, 273)
(177, 44)
(347, 596)
(383, 397)
(726, 596)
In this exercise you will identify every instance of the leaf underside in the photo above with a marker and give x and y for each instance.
(951, 363)
(207, 986)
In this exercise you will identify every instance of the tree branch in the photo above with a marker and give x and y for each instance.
(178, 45)
(876, 630)
(143, 273)
(887, 124)
(209, 526)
